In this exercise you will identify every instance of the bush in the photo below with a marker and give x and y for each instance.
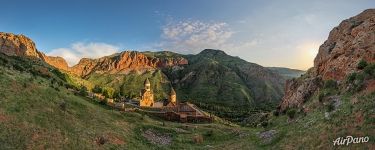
(358, 84)
(276, 113)
(97, 89)
(330, 84)
(351, 77)
(291, 113)
(330, 107)
(83, 91)
(362, 64)
(370, 70)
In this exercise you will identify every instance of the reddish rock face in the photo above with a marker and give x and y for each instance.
(17, 45)
(347, 44)
(20, 45)
(57, 62)
(124, 63)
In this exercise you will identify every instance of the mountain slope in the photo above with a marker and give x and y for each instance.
(211, 79)
(336, 98)
(217, 78)
(38, 112)
(347, 45)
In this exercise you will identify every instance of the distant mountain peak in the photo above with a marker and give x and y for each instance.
(212, 52)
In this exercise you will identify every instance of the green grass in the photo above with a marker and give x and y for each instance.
(32, 118)
(313, 130)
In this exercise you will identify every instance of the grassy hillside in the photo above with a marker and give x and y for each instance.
(36, 113)
(351, 116)
(131, 84)
(227, 86)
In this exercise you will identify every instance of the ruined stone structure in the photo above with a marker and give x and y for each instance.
(147, 95)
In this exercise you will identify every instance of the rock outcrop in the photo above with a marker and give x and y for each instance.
(20, 45)
(57, 62)
(124, 62)
(347, 44)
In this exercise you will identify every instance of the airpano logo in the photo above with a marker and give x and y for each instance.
(350, 139)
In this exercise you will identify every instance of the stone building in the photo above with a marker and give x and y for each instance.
(172, 96)
(147, 96)
(171, 109)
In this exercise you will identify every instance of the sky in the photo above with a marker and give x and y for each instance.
(280, 33)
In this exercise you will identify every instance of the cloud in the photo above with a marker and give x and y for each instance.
(80, 50)
(191, 36)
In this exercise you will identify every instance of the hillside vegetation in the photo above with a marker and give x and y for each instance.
(38, 113)
(224, 85)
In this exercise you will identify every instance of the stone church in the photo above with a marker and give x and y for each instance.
(147, 96)
(170, 109)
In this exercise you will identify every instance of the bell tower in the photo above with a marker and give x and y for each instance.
(147, 85)
(147, 96)
(172, 96)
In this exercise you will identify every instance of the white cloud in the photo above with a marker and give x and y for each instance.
(190, 36)
(84, 50)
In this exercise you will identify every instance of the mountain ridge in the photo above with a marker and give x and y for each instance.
(211, 78)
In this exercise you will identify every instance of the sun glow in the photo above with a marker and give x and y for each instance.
(307, 52)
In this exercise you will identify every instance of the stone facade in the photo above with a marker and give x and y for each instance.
(147, 95)
(173, 96)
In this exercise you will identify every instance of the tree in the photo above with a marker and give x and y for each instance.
(83, 91)
(97, 89)
(108, 92)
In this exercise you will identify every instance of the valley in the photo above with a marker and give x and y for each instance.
(46, 104)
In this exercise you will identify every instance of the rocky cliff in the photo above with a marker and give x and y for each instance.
(123, 63)
(20, 45)
(349, 43)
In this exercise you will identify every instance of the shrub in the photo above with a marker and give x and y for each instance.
(362, 64)
(330, 107)
(370, 70)
(83, 91)
(330, 84)
(97, 89)
(351, 77)
(291, 113)
(358, 84)
(276, 113)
